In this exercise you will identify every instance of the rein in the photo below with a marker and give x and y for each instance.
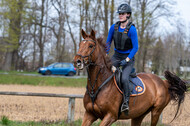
(93, 94)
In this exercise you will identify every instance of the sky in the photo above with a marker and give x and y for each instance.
(182, 13)
(184, 9)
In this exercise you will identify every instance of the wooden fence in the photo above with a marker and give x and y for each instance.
(72, 97)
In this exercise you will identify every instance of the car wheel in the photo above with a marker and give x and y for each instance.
(71, 74)
(48, 72)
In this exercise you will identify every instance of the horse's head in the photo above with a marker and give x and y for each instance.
(87, 52)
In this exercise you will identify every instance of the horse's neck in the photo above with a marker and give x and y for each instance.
(97, 74)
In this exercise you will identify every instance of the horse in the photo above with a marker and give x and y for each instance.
(102, 99)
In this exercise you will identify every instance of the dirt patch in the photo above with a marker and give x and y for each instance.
(27, 108)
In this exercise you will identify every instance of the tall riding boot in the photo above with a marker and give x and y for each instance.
(125, 105)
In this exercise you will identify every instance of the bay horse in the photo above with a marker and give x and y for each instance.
(103, 100)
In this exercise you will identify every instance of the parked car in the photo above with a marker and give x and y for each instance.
(58, 69)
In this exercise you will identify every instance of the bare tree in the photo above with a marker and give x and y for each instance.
(35, 35)
(70, 30)
(106, 7)
(158, 57)
(147, 12)
(40, 42)
(112, 11)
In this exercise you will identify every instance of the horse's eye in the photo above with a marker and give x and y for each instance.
(90, 46)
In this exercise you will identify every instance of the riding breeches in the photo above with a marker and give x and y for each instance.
(126, 71)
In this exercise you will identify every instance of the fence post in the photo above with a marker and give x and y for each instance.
(71, 110)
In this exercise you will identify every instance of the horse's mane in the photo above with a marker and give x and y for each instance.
(103, 49)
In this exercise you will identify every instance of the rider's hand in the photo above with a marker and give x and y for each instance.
(124, 62)
(113, 68)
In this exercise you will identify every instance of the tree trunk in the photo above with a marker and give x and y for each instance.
(106, 4)
(41, 45)
(112, 12)
(8, 61)
(34, 50)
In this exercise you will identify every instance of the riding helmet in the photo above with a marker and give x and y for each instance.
(124, 8)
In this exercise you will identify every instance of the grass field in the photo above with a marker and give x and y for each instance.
(18, 72)
(6, 122)
(13, 78)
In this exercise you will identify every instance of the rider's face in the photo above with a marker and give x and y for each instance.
(123, 16)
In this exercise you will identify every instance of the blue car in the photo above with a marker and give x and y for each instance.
(58, 69)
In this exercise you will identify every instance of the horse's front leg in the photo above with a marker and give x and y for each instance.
(88, 119)
(108, 120)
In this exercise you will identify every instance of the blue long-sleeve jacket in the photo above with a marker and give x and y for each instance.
(131, 34)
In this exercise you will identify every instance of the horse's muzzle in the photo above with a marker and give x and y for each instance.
(78, 62)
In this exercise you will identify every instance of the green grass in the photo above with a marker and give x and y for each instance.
(18, 72)
(32, 123)
(42, 81)
(6, 122)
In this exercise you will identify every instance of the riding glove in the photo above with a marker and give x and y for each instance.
(123, 62)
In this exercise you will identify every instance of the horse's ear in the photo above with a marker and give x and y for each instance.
(93, 34)
(83, 33)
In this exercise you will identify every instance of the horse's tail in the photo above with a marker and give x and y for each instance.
(177, 89)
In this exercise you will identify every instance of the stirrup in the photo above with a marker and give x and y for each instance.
(125, 107)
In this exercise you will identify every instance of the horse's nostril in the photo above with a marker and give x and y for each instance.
(78, 61)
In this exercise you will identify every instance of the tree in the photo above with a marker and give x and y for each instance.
(158, 57)
(70, 30)
(33, 16)
(41, 42)
(106, 7)
(13, 12)
(147, 12)
(61, 33)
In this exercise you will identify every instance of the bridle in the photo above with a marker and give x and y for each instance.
(89, 56)
(92, 93)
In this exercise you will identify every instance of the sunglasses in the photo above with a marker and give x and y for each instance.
(122, 13)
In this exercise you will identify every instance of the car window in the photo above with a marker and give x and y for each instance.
(59, 65)
(51, 65)
(65, 65)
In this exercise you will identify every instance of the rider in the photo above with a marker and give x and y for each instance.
(125, 39)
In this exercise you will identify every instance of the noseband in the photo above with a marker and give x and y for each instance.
(92, 93)
(90, 62)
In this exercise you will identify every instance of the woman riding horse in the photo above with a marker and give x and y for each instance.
(102, 98)
(125, 39)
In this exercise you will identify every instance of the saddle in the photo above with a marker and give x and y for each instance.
(136, 85)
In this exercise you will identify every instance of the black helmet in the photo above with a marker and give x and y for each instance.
(124, 8)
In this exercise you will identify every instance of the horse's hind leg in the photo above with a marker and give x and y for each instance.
(155, 114)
